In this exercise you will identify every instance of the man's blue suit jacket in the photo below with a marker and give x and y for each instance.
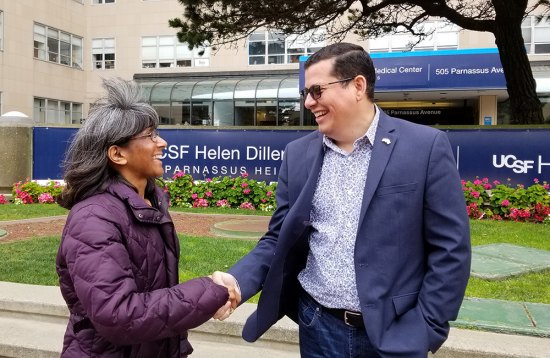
(412, 253)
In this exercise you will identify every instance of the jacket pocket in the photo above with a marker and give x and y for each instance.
(404, 303)
(395, 189)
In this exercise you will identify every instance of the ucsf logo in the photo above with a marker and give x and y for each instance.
(517, 165)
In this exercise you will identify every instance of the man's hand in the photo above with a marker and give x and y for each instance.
(227, 280)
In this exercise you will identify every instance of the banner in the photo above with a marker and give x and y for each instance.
(519, 156)
(498, 154)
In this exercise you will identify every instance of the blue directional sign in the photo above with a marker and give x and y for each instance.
(433, 70)
(452, 69)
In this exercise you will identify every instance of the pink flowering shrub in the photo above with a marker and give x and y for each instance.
(30, 191)
(247, 206)
(180, 190)
(476, 192)
(474, 211)
(223, 192)
(46, 198)
(3, 199)
(200, 203)
(497, 201)
(223, 204)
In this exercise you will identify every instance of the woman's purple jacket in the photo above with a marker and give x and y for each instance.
(118, 272)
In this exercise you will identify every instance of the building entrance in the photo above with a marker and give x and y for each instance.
(435, 116)
(429, 113)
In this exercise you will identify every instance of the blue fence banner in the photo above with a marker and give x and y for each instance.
(499, 154)
(518, 155)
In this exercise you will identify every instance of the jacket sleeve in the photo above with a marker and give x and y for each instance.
(447, 238)
(251, 271)
(100, 268)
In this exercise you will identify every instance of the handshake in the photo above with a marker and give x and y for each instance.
(227, 280)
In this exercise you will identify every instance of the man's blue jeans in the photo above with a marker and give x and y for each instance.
(325, 336)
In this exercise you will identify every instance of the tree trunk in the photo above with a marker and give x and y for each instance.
(524, 103)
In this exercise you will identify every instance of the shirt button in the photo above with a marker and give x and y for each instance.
(140, 216)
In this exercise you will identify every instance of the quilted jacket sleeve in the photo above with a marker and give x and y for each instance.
(100, 269)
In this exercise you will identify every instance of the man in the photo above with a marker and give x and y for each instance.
(369, 247)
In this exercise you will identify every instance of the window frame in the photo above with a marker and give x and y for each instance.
(165, 51)
(531, 27)
(104, 51)
(1, 30)
(266, 53)
(58, 108)
(431, 43)
(57, 46)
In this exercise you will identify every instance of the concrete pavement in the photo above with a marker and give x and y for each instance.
(33, 320)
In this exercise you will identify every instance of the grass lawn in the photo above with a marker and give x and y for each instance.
(17, 212)
(532, 287)
(485, 232)
(33, 261)
(227, 211)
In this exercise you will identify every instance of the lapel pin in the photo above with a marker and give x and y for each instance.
(386, 140)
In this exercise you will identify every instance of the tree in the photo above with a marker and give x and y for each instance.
(219, 22)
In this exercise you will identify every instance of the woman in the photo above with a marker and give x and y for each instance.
(118, 258)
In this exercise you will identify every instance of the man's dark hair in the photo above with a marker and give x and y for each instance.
(350, 60)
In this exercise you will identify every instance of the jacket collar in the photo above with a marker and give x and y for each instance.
(381, 153)
(138, 206)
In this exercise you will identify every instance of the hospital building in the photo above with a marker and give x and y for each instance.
(55, 53)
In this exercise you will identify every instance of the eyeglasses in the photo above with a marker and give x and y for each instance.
(316, 90)
(154, 135)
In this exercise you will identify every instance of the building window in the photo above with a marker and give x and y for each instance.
(536, 34)
(237, 101)
(54, 111)
(95, 2)
(1, 30)
(167, 51)
(103, 53)
(444, 37)
(272, 47)
(57, 46)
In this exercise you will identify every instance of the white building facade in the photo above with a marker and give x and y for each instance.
(54, 54)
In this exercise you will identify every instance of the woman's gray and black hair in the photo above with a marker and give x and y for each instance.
(113, 119)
